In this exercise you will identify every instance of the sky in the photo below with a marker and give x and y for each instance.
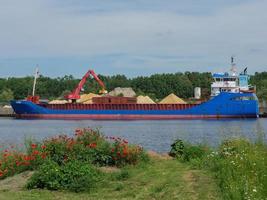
(137, 37)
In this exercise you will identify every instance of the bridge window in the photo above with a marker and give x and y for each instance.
(244, 98)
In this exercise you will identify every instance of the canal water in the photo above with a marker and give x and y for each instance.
(152, 135)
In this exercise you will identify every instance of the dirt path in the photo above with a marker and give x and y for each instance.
(200, 184)
(15, 183)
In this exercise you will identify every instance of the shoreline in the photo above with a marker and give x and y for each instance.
(12, 115)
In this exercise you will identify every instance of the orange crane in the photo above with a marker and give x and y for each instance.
(75, 94)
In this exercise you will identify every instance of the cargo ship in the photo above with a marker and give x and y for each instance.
(231, 97)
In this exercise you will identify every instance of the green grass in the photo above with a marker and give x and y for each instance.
(240, 169)
(238, 165)
(234, 170)
(158, 179)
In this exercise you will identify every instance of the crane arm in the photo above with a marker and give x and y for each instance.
(76, 92)
(103, 87)
(97, 79)
(78, 89)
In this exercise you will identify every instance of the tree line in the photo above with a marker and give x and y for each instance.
(157, 86)
(260, 81)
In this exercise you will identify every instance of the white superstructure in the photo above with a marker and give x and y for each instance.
(224, 83)
(230, 82)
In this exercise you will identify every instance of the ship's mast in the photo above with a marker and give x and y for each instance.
(35, 79)
(233, 66)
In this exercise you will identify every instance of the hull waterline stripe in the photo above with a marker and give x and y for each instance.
(129, 117)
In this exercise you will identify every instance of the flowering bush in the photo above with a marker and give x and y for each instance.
(91, 146)
(69, 160)
(13, 161)
(87, 145)
(122, 153)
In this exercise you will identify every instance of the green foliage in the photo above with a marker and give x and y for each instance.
(57, 149)
(186, 151)
(177, 148)
(64, 93)
(11, 163)
(79, 176)
(75, 176)
(123, 175)
(122, 153)
(48, 176)
(238, 165)
(163, 84)
(156, 86)
(260, 80)
(69, 163)
(89, 145)
(69, 160)
(101, 155)
(166, 177)
(240, 168)
(13, 160)
(262, 92)
(6, 95)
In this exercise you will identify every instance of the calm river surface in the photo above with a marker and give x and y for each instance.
(153, 135)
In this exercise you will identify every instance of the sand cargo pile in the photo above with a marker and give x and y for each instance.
(87, 98)
(124, 92)
(57, 101)
(144, 99)
(172, 99)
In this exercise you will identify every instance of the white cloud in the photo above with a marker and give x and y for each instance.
(36, 28)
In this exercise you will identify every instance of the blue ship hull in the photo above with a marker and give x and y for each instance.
(225, 105)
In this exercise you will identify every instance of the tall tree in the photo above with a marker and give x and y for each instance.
(6, 95)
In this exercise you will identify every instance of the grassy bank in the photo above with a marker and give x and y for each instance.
(240, 169)
(239, 166)
(90, 165)
(158, 179)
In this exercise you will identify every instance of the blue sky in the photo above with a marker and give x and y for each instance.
(137, 37)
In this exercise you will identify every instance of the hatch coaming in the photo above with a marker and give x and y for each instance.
(119, 106)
